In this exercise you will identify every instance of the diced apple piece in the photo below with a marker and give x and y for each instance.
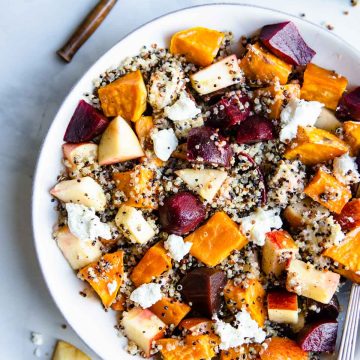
(142, 327)
(305, 280)
(282, 307)
(327, 120)
(75, 154)
(66, 351)
(282, 349)
(219, 75)
(206, 182)
(134, 225)
(119, 143)
(105, 276)
(85, 191)
(78, 253)
(279, 247)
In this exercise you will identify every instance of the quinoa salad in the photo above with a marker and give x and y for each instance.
(209, 196)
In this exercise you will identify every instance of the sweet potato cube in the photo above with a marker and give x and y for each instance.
(143, 127)
(197, 326)
(313, 146)
(328, 191)
(282, 349)
(214, 241)
(246, 351)
(202, 345)
(199, 45)
(348, 252)
(279, 247)
(170, 311)
(119, 303)
(251, 295)
(348, 274)
(352, 135)
(136, 186)
(276, 96)
(323, 85)
(125, 96)
(105, 276)
(262, 67)
(153, 264)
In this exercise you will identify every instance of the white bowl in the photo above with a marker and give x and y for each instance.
(86, 315)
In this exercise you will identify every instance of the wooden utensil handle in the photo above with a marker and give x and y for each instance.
(87, 27)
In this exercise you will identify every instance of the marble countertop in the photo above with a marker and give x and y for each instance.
(34, 82)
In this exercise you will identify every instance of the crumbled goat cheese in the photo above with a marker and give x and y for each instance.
(112, 287)
(345, 169)
(165, 142)
(177, 247)
(256, 225)
(36, 338)
(298, 113)
(183, 109)
(84, 224)
(247, 331)
(146, 295)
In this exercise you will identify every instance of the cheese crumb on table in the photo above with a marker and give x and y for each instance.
(85, 224)
(147, 295)
(36, 338)
(177, 247)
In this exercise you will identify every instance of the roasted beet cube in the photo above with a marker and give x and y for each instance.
(319, 336)
(181, 213)
(202, 287)
(318, 310)
(349, 106)
(255, 129)
(229, 111)
(284, 40)
(85, 124)
(206, 145)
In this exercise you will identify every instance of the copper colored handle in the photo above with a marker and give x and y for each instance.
(85, 30)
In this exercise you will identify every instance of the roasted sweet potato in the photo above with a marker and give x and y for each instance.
(348, 274)
(194, 348)
(282, 349)
(276, 96)
(180, 152)
(246, 351)
(170, 311)
(214, 241)
(135, 184)
(251, 295)
(352, 135)
(313, 146)
(153, 264)
(262, 67)
(125, 96)
(348, 252)
(105, 276)
(328, 191)
(197, 326)
(143, 127)
(199, 45)
(118, 304)
(323, 85)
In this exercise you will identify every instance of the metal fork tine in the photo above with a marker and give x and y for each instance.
(348, 341)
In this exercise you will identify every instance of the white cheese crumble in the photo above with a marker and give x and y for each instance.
(177, 247)
(246, 331)
(147, 295)
(257, 224)
(165, 142)
(85, 224)
(112, 287)
(36, 338)
(345, 169)
(183, 109)
(298, 113)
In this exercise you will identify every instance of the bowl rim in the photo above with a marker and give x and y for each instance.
(138, 28)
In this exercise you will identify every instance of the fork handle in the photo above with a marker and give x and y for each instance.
(86, 29)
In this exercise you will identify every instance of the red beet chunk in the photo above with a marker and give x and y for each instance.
(85, 124)
(181, 213)
(229, 111)
(319, 336)
(318, 310)
(255, 129)
(202, 287)
(284, 40)
(349, 218)
(349, 106)
(205, 145)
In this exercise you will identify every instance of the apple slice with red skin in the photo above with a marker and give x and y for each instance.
(282, 307)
